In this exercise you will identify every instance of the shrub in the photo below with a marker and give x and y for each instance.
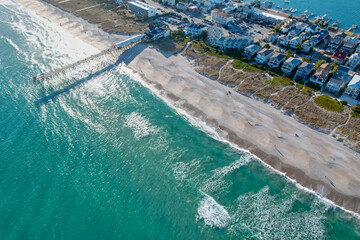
(355, 111)
(329, 103)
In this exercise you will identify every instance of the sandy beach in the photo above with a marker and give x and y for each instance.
(315, 160)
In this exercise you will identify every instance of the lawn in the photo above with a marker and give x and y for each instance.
(329, 103)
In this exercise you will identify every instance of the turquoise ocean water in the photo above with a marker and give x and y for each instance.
(347, 12)
(108, 159)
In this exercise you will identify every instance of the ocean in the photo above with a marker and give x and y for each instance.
(347, 12)
(106, 158)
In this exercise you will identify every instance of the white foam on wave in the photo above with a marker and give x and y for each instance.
(140, 125)
(270, 217)
(216, 181)
(214, 133)
(57, 46)
(13, 44)
(182, 170)
(213, 214)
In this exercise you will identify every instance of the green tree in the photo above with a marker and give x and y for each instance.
(319, 63)
(334, 65)
(267, 46)
(307, 59)
(203, 35)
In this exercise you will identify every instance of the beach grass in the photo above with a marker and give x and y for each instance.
(283, 81)
(329, 103)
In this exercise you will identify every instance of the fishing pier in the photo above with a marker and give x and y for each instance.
(114, 51)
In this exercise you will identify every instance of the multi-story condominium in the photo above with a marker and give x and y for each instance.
(353, 88)
(220, 17)
(304, 70)
(276, 60)
(353, 61)
(264, 55)
(217, 37)
(321, 75)
(290, 64)
(141, 9)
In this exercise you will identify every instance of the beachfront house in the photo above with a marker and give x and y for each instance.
(217, 37)
(195, 29)
(141, 9)
(288, 25)
(349, 45)
(335, 42)
(300, 26)
(339, 56)
(294, 42)
(311, 28)
(293, 33)
(306, 47)
(321, 75)
(339, 81)
(357, 50)
(272, 37)
(304, 70)
(171, 3)
(181, 6)
(316, 39)
(264, 55)
(283, 40)
(353, 88)
(251, 50)
(353, 61)
(290, 65)
(153, 33)
(219, 17)
(276, 60)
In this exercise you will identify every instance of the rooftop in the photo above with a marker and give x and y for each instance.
(339, 55)
(355, 82)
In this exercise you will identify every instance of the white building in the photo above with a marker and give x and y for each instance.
(338, 82)
(353, 61)
(264, 55)
(304, 70)
(294, 42)
(220, 17)
(217, 37)
(290, 64)
(353, 89)
(141, 9)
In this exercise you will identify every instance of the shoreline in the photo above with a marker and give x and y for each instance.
(174, 76)
(349, 203)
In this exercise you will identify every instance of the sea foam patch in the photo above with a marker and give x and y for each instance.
(140, 125)
(213, 214)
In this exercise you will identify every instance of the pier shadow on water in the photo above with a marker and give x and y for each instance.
(126, 57)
